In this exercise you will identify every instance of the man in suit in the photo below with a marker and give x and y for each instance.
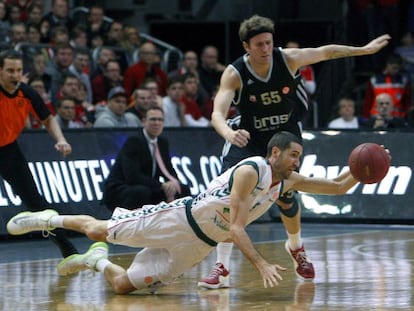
(134, 179)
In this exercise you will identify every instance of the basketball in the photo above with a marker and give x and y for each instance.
(369, 163)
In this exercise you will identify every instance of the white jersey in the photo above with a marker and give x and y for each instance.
(211, 208)
(180, 234)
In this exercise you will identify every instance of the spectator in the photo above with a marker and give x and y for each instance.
(392, 81)
(21, 11)
(65, 113)
(114, 36)
(59, 15)
(63, 58)
(71, 87)
(96, 42)
(39, 86)
(193, 115)
(17, 34)
(37, 68)
(174, 108)
(189, 64)
(33, 33)
(84, 110)
(79, 67)
(79, 37)
(34, 14)
(146, 67)
(114, 114)
(385, 119)
(102, 83)
(59, 35)
(131, 39)
(151, 85)
(141, 103)
(406, 51)
(104, 54)
(347, 118)
(45, 31)
(96, 24)
(15, 13)
(134, 180)
(210, 69)
(4, 23)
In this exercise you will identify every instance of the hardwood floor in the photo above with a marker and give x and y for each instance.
(358, 267)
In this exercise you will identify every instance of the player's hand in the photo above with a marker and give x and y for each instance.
(240, 138)
(377, 44)
(270, 275)
(63, 147)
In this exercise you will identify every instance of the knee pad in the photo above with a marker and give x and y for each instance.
(291, 211)
(288, 197)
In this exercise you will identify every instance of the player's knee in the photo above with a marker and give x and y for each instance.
(121, 285)
(289, 209)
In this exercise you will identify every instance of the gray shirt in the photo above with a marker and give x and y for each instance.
(106, 118)
(171, 113)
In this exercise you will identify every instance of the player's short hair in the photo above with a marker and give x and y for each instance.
(255, 25)
(282, 140)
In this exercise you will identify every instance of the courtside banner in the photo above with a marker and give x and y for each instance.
(74, 184)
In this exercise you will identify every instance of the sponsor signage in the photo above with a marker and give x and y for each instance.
(74, 184)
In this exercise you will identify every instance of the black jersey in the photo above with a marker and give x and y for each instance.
(268, 105)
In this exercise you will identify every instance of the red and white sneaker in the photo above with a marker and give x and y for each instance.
(303, 266)
(219, 277)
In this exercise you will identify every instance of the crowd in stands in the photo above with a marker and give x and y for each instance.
(83, 60)
(103, 67)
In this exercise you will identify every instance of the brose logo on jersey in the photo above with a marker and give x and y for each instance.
(271, 121)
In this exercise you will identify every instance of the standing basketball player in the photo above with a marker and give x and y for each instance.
(265, 86)
(17, 100)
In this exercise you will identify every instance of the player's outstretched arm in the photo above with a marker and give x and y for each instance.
(306, 56)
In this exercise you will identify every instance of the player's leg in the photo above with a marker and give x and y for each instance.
(96, 258)
(48, 220)
(290, 214)
(219, 276)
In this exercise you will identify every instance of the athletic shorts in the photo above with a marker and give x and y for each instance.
(170, 245)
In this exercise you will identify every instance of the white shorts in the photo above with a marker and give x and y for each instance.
(171, 246)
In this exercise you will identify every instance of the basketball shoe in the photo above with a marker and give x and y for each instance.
(219, 277)
(80, 262)
(25, 222)
(303, 266)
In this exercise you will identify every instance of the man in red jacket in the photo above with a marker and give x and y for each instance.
(146, 67)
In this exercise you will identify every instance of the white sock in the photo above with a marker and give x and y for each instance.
(224, 252)
(295, 240)
(56, 221)
(102, 264)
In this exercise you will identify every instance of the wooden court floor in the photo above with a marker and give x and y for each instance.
(358, 267)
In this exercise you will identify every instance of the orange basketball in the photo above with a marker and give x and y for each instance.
(369, 163)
